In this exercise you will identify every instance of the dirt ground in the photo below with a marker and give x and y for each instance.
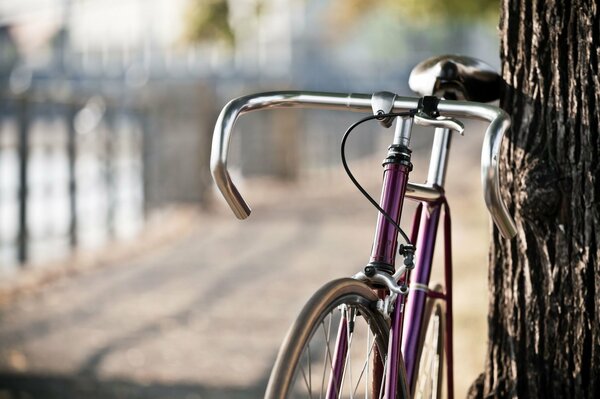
(203, 316)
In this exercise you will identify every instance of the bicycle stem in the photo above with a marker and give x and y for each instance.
(499, 124)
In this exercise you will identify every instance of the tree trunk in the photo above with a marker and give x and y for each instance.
(544, 329)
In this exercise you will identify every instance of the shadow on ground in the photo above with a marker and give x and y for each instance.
(22, 386)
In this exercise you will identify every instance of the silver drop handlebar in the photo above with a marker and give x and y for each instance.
(499, 124)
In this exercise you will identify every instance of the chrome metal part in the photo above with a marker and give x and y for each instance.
(403, 131)
(386, 306)
(419, 287)
(439, 157)
(439, 122)
(400, 272)
(455, 76)
(383, 279)
(499, 124)
(490, 174)
(423, 192)
(256, 102)
(382, 102)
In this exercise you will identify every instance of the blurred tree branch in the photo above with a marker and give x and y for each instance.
(419, 11)
(208, 20)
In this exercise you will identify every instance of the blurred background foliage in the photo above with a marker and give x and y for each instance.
(419, 12)
(209, 19)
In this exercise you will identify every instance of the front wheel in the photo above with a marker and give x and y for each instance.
(336, 348)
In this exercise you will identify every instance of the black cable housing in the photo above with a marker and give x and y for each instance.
(353, 179)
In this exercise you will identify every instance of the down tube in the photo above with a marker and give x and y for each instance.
(415, 304)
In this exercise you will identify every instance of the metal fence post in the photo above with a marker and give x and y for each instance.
(109, 165)
(23, 149)
(71, 160)
(146, 148)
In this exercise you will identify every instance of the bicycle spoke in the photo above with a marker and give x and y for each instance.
(306, 381)
(350, 319)
(329, 357)
(383, 379)
(309, 372)
(365, 367)
(367, 361)
(327, 352)
(339, 385)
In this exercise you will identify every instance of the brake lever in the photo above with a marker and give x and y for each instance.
(423, 119)
(428, 115)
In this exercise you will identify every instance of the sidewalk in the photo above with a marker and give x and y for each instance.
(203, 316)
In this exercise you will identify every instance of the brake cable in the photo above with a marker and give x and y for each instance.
(364, 192)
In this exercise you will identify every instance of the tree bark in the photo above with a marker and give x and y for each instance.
(544, 328)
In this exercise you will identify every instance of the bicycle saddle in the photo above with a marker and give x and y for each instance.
(455, 77)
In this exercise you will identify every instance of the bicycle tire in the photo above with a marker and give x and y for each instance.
(289, 375)
(429, 368)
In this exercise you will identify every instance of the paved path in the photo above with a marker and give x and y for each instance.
(200, 318)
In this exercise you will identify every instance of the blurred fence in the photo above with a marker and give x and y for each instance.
(83, 167)
(71, 174)
(79, 168)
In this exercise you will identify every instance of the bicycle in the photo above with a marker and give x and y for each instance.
(388, 316)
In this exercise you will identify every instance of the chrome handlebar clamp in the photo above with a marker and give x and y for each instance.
(382, 103)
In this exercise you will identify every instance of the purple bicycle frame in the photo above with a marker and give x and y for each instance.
(427, 229)
(384, 250)
(385, 244)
